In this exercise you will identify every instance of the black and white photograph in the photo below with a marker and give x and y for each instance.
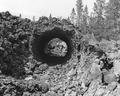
(59, 47)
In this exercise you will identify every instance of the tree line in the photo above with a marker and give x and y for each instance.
(104, 21)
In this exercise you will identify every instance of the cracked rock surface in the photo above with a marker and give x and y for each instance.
(94, 70)
(56, 47)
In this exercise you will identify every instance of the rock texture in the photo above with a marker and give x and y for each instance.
(91, 70)
(56, 47)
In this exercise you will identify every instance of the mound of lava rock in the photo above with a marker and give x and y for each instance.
(27, 51)
(14, 44)
(53, 41)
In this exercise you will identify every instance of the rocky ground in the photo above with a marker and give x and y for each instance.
(94, 71)
(56, 47)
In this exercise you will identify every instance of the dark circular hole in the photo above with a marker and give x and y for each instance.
(40, 41)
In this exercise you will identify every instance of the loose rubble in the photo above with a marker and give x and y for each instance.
(56, 47)
(92, 70)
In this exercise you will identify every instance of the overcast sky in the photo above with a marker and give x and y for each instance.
(30, 8)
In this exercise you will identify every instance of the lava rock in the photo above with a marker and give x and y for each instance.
(54, 43)
(43, 87)
(56, 47)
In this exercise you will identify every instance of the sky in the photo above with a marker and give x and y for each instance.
(37, 8)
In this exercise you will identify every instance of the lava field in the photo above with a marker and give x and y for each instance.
(53, 58)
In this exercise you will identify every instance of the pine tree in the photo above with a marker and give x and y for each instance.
(73, 17)
(112, 18)
(85, 19)
(79, 6)
(85, 15)
(113, 12)
(50, 17)
(98, 19)
(68, 19)
(33, 18)
(99, 9)
(20, 15)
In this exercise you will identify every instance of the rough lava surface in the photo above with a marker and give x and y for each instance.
(56, 47)
(92, 70)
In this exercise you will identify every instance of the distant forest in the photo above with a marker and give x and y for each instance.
(104, 21)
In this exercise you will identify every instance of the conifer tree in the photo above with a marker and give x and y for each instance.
(113, 11)
(68, 19)
(99, 9)
(98, 23)
(20, 15)
(50, 17)
(79, 6)
(113, 18)
(33, 18)
(85, 19)
(73, 17)
(85, 15)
